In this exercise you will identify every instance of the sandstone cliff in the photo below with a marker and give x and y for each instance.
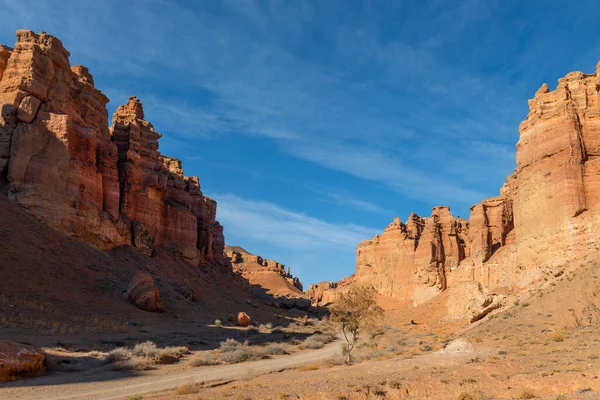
(545, 219)
(267, 277)
(104, 186)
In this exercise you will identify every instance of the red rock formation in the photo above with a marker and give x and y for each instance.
(107, 187)
(544, 220)
(411, 261)
(19, 361)
(267, 276)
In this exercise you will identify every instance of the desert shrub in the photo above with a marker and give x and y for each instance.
(146, 349)
(317, 341)
(187, 388)
(335, 359)
(557, 337)
(266, 327)
(134, 397)
(314, 342)
(526, 394)
(132, 364)
(277, 329)
(203, 360)
(236, 356)
(467, 396)
(233, 352)
(230, 345)
(174, 351)
(218, 322)
(426, 348)
(118, 354)
(309, 367)
(277, 349)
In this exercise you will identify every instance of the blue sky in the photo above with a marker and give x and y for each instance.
(314, 123)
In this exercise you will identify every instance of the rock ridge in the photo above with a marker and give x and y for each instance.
(544, 220)
(107, 186)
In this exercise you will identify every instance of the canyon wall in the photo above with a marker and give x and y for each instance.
(545, 219)
(107, 186)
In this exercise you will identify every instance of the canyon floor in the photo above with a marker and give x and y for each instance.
(540, 346)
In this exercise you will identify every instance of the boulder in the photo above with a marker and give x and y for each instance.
(302, 304)
(298, 313)
(19, 361)
(288, 303)
(143, 294)
(243, 319)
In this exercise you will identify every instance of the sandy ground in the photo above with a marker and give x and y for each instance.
(107, 385)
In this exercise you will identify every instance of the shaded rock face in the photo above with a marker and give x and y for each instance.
(18, 361)
(142, 293)
(105, 186)
(546, 216)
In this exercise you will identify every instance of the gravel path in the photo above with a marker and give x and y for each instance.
(108, 385)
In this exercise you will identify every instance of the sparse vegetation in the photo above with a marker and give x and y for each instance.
(143, 355)
(266, 327)
(187, 388)
(355, 312)
(315, 342)
(526, 394)
(133, 364)
(336, 359)
(468, 396)
(203, 360)
(277, 349)
(557, 336)
(309, 367)
(231, 351)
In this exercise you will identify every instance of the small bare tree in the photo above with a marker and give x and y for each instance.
(354, 312)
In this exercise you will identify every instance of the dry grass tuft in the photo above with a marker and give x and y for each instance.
(557, 336)
(276, 349)
(309, 367)
(203, 360)
(133, 364)
(187, 388)
(527, 394)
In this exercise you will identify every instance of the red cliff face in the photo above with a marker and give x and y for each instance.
(105, 186)
(545, 219)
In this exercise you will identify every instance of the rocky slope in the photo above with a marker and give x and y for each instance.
(104, 186)
(267, 277)
(544, 221)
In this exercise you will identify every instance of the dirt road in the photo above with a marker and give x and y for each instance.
(108, 385)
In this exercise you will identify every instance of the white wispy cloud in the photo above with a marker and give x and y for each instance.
(341, 197)
(242, 56)
(258, 220)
